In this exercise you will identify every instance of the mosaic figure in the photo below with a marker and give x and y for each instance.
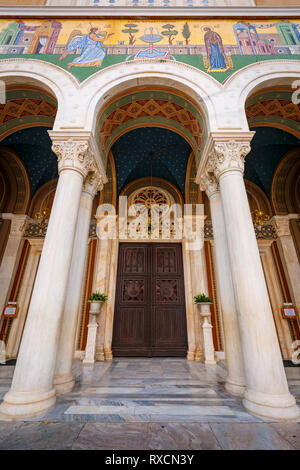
(214, 49)
(92, 52)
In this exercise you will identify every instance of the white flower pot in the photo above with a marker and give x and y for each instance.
(95, 306)
(204, 308)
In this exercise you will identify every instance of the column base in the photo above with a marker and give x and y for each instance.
(199, 355)
(108, 354)
(280, 408)
(234, 387)
(209, 362)
(20, 405)
(190, 355)
(63, 384)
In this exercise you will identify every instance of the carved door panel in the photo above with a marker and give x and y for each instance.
(150, 315)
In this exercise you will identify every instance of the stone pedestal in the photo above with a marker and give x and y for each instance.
(90, 350)
(208, 344)
(32, 392)
(267, 392)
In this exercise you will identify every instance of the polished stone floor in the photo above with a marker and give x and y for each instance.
(142, 403)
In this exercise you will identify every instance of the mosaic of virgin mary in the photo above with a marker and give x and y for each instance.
(214, 50)
(92, 52)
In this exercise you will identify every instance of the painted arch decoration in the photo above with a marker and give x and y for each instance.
(158, 108)
(218, 47)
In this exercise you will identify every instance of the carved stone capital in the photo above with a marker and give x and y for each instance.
(18, 225)
(73, 155)
(281, 224)
(209, 184)
(93, 183)
(227, 156)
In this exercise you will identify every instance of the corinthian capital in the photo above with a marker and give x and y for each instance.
(228, 155)
(209, 183)
(93, 183)
(73, 155)
(18, 225)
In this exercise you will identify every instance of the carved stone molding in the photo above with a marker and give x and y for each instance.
(282, 225)
(18, 224)
(73, 155)
(227, 156)
(93, 183)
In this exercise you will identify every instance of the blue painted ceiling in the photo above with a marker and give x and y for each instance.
(151, 151)
(268, 146)
(33, 147)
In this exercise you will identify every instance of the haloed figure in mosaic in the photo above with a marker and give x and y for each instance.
(214, 50)
(92, 52)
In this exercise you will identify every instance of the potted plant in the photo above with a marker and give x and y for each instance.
(96, 300)
(204, 304)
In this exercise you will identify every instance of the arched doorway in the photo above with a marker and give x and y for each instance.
(150, 312)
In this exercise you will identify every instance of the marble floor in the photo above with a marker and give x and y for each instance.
(141, 403)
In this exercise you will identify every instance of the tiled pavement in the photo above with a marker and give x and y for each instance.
(135, 404)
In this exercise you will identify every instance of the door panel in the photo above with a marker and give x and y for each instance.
(150, 318)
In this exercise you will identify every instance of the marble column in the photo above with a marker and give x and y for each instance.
(235, 380)
(32, 392)
(288, 250)
(24, 295)
(63, 379)
(11, 254)
(267, 392)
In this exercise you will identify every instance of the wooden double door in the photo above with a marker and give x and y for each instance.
(150, 317)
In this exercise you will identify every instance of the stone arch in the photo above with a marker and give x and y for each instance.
(285, 189)
(249, 80)
(150, 106)
(49, 77)
(26, 106)
(104, 85)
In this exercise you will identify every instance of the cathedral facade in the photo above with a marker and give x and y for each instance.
(150, 153)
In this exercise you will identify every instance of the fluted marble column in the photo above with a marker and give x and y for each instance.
(11, 254)
(32, 392)
(287, 246)
(235, 380)
(63, 379)
(267, 392)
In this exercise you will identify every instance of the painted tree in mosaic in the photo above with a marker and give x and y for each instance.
(131, 29)
(170, 32)
(186, 33)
